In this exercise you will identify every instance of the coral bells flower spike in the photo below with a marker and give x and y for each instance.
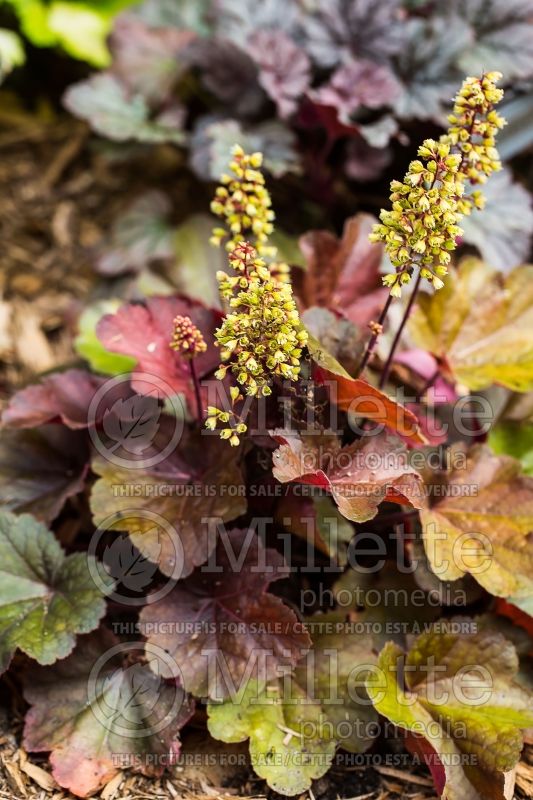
(186, 338)
(263, 336)
(421, 228)
(244, 204)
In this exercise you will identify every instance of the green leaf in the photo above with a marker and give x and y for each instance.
(11, 52)
(514, 439)
(334, 672)
(89, 346)
(280, 752)
(105, 103)
(455, 688)
(46, 598)
(80, 28)
(406, 613)
(140, 235)
(295, 725)
(197, 262)
(479, 325)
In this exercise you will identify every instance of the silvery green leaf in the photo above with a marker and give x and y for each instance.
(106, 104)
(502, 231)
(213, 139)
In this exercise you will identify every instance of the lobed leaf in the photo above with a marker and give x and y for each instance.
(479, 326)
(189, 500)
(112, 111)
(40, 469)
(60, 397)
(96, 712)
(221, 626)
(46, 598)
(144, 332)
(342, 274)
(482, 525)
(141, 235)
(502, 232)
(435, 691)
(359, 476)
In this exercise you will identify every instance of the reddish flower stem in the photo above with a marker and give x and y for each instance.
(396, 340)
(373, 339)
(196, 384)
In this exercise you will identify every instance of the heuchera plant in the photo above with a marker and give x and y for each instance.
(215, 475)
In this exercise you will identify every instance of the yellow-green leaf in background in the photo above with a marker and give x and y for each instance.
(480, 325)
(482, 524)
(80, 28)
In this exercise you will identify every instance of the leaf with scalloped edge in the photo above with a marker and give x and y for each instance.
(502, 233)
(480, 325)
(482, 524)
(295, 725)
(46, 598)
(144, 332)
(359, 476)
(342, 274)
(455, 691)
(218, 493)
(280, 753)
(502, 36)
(140, 235)
(109, 107)
(284, 68)
(148, 59)
(60, 397)
(95, 722)
(221, 626)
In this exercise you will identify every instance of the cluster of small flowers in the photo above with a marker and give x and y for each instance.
(262, 338)
(186, 338)
(422, 226)
(421, 229)
(244, 204)
(474, 125)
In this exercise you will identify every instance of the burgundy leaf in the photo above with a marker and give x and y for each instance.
(199, 483)
(145, 331)
(343, 274)
(41, 469)
(220, 624)
(100, 709)
(62, 397)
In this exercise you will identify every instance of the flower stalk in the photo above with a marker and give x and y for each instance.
(421, 229)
